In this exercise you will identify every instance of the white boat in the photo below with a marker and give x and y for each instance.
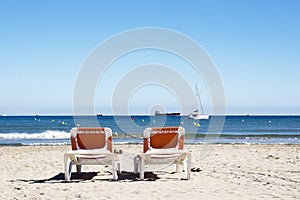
(196, 114)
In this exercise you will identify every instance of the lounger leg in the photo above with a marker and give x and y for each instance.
(188, 166)
(136, 163)
(67, 167)
(119, 164)
(114, 172)
(142, 163)
(119, 167)
(176, 167)
(78, 168)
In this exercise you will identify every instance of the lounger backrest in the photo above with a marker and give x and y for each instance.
(163, 138)
(91, 138)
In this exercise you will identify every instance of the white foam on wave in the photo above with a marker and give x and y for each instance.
(44, 135)
(46, 144)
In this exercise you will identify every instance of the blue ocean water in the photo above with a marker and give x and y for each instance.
(54, 130)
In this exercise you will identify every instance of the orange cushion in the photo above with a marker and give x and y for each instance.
(91, 141)
(163, 140)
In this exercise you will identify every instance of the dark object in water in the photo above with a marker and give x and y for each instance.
(158, 113)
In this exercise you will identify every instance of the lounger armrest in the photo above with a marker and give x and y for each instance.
(164, 151)
(88, 152)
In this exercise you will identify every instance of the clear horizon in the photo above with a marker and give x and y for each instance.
(254, 45)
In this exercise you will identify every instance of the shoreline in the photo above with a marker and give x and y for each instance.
(135, 143)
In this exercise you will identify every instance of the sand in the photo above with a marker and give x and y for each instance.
(220, 171)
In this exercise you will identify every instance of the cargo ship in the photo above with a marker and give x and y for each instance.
(158, 113)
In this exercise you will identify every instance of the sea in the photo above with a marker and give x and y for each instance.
(55, 130)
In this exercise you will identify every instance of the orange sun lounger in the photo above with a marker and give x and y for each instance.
(163, 145)
(91, 146)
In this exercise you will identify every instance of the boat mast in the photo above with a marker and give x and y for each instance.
(199, 100)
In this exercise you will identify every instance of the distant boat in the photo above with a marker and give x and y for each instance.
(158, 113)
(196, 114)
(99, 114)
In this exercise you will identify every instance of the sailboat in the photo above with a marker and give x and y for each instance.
(196, 114)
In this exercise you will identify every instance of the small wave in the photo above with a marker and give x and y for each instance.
(44, 135)
(47, 144)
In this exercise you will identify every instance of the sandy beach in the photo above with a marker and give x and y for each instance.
(220, 171)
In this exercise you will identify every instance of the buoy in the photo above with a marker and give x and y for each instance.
(198, 125)
(154, 121)
(243, 120)
(270, 121)
(52, 120)
(195, 123)
(77, 124)
(143, 120)
(181, 122)
(62, 123)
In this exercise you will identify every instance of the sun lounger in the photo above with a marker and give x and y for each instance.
(91, 146)
(163, 145)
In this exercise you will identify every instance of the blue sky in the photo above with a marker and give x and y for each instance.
(254, 44)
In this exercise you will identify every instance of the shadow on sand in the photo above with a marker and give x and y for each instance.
(90, 176)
